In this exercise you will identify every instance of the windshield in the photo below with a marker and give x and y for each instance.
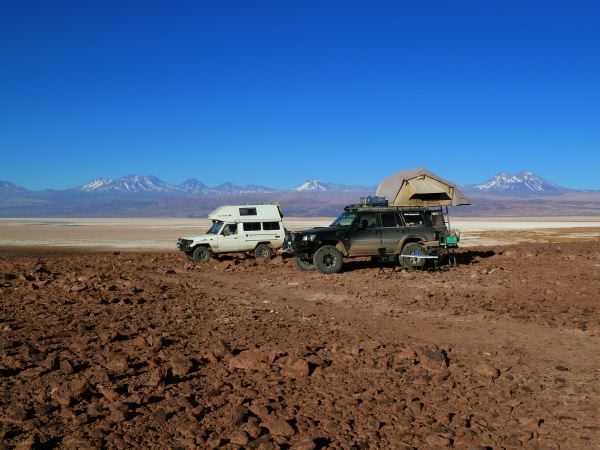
(344, 219)
(216, 227)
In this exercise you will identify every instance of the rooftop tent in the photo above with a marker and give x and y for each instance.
(420, 187)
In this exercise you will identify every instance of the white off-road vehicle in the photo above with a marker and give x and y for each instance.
(240, 228)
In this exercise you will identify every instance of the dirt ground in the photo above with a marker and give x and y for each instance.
(131, 350)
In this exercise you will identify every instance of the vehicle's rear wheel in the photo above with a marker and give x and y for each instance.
(201, 254)
(409, 258)
(263, 251)
(303, 264)
(328, 259)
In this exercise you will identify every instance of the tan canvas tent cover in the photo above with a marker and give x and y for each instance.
(420, 187)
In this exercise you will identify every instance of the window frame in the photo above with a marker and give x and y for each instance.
(272, 223)
(247, 211)
(253, 224)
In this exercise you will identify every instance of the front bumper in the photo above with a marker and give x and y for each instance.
(303, 248)
(184, 245)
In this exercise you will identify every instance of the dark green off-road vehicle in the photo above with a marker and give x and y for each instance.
(413, 236)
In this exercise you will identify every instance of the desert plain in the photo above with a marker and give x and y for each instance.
(111, 339)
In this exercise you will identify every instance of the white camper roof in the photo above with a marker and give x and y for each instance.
(420, 187)
(247, 213)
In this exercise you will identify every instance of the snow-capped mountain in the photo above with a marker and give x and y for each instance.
(7, 186)
(95, 185)
(312, 186)
(133, 184)
(320, 186)
(130, 184)
(193, 186)
(522, 183)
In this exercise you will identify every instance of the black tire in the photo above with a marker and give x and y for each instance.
(303, 264)
(413, 248)
(189, 256)
(328, 259)
(202, 254)
(263, 251)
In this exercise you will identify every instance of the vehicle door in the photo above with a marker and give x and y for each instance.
(229, 238)
(364, 235)
(251, 235)
(392, 230)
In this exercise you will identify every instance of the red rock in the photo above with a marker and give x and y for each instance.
(237, 415)
(238, 438)
(68, 393)
(295, 369)
(435, 441)
(180, 365)
(253, 429)
(66, 367)
(158, 376)
(219, 349)
(486, 370)
(278, 427)
(305, 443)
(118, 412)
(117, 363)
(253, 359)
(259, 410)
(107, 392)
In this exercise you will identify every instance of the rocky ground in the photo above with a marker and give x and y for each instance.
(149, 351)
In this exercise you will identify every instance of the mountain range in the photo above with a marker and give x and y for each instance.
(522, 183)
(523, 193)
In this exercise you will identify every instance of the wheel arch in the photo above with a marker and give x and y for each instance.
(407, 240)
(335, 243)
(203, 244)
(269, 243)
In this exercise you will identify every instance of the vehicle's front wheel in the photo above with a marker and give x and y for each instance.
(409, 258)
(303, 264)
(190, 255)
(202, 254)
(328, 259)
(263, 251)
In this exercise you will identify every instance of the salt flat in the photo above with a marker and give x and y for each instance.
(162, 233)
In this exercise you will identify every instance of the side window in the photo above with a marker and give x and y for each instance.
(270, 226)
(367, 221)
(229, 229)
(388, 220)
(251, 226)
(413, 219)
(247, 211)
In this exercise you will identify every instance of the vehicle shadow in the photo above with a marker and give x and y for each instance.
(471, 256)
(462, 258)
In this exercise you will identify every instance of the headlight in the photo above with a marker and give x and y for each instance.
(309, 237)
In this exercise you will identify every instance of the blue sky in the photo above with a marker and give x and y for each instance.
(275, 92)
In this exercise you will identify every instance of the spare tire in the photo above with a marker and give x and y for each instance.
(415, 249)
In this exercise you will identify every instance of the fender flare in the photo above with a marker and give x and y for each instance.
(407, 239)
